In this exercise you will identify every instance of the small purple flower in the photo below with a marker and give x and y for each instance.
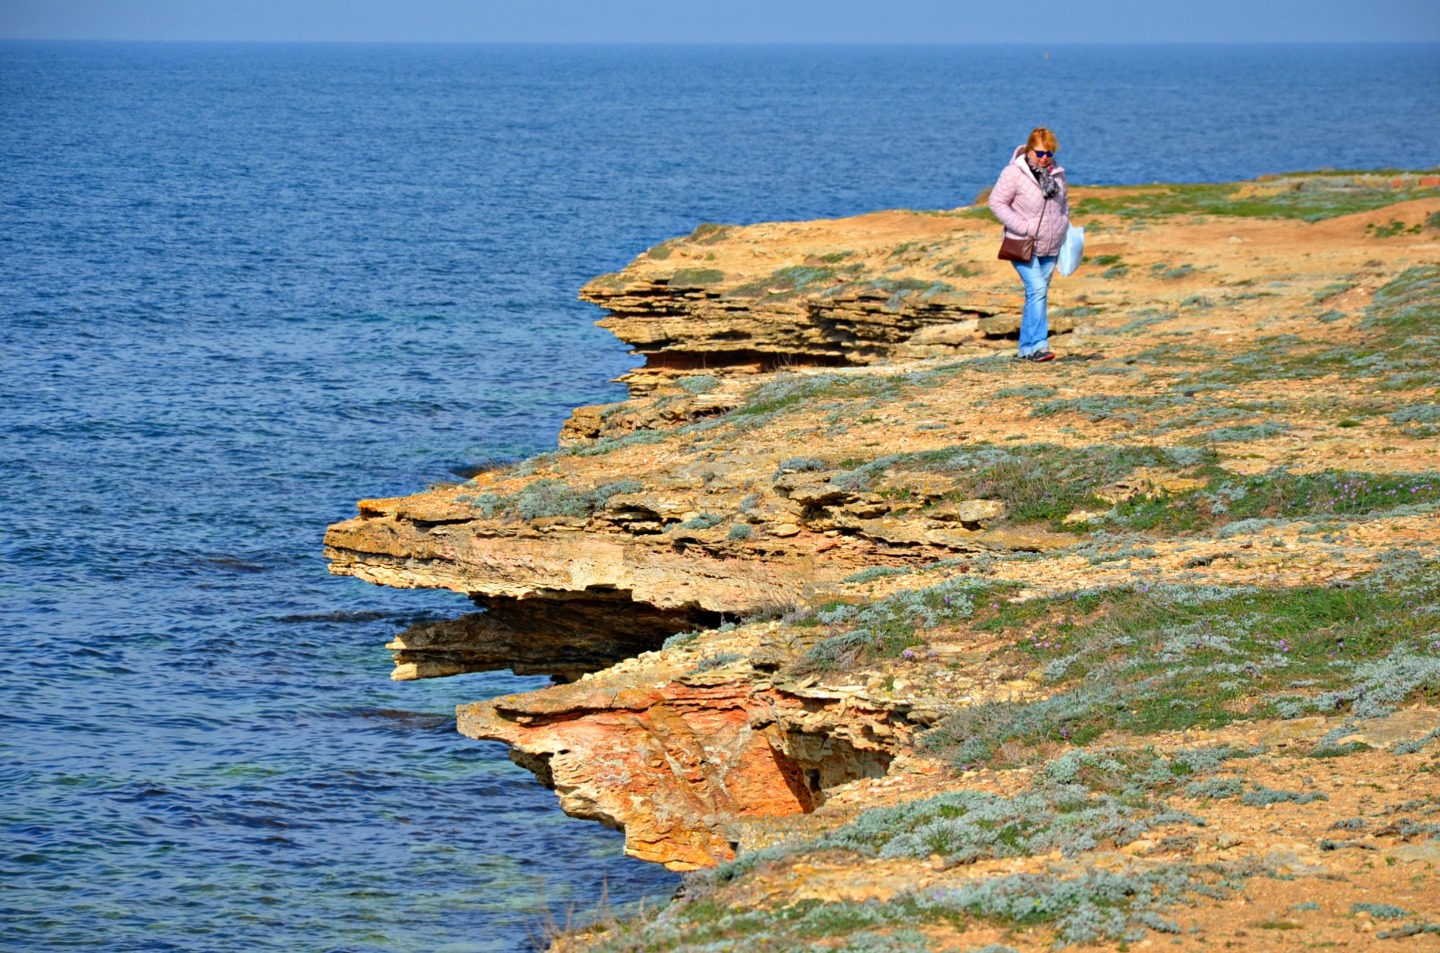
(908, 655)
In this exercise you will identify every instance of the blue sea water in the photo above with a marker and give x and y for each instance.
(242, 286)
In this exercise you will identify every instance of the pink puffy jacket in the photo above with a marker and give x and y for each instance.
(1016, 201)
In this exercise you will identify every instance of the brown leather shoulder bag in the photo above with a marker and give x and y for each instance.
(1021, 249)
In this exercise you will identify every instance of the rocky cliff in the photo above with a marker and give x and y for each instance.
(840, 552)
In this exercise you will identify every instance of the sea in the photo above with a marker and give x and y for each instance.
(244, 286)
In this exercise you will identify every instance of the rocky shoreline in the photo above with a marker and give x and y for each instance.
(839, 555)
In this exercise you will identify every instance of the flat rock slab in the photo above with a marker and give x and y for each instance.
(1411, 724)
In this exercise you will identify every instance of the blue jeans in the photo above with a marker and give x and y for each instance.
(1035, 323)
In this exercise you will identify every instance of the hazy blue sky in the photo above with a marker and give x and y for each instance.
(786, 21)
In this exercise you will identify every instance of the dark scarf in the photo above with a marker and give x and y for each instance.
(1048, 186)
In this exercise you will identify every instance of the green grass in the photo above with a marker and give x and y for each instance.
(1025, 392)
(1166, 273)
(887, 628)
(1045, 483)
(1076, 908)
(1405, 314)
(1393, 228)
(1341, 493)
(1308, 204)
(1333, 289)
(1039, 483)
(1036, 490)
(707, 233)
(1080, 802)
(703, 925)
(611, 281)
(951, 268)
(548, 498)
(696, 278)
(980, 213)
(792, 391)
(908, 250)
(1228, 498)
(1142, 660)
(698, 383)
(1097, 407)
(898, 289)
(785, 282)
(1399, 351)
(787, 392)
(903, 285)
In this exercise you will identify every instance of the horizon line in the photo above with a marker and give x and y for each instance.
(856, 43)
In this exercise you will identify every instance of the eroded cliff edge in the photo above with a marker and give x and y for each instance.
(839, 552)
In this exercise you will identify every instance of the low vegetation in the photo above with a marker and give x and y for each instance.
(1122, 906)
(1143, 660)
(786, 282)
(1170, 465)
(1310, 201)
(548, 498)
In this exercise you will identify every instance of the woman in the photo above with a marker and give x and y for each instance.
(1029, 199)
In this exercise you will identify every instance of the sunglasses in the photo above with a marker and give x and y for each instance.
(1042, 154)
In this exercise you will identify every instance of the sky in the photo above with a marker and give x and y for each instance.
(727, 21)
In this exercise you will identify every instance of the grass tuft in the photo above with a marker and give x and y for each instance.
(1143, 660)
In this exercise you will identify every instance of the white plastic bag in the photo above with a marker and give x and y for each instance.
(1073, 251)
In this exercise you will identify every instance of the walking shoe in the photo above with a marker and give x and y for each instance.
(1038, 357)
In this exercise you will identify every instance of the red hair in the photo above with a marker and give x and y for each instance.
(1042, 138)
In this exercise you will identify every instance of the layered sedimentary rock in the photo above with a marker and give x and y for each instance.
(807, 434)
(857, 291)
(673, 756)
(563, 637)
